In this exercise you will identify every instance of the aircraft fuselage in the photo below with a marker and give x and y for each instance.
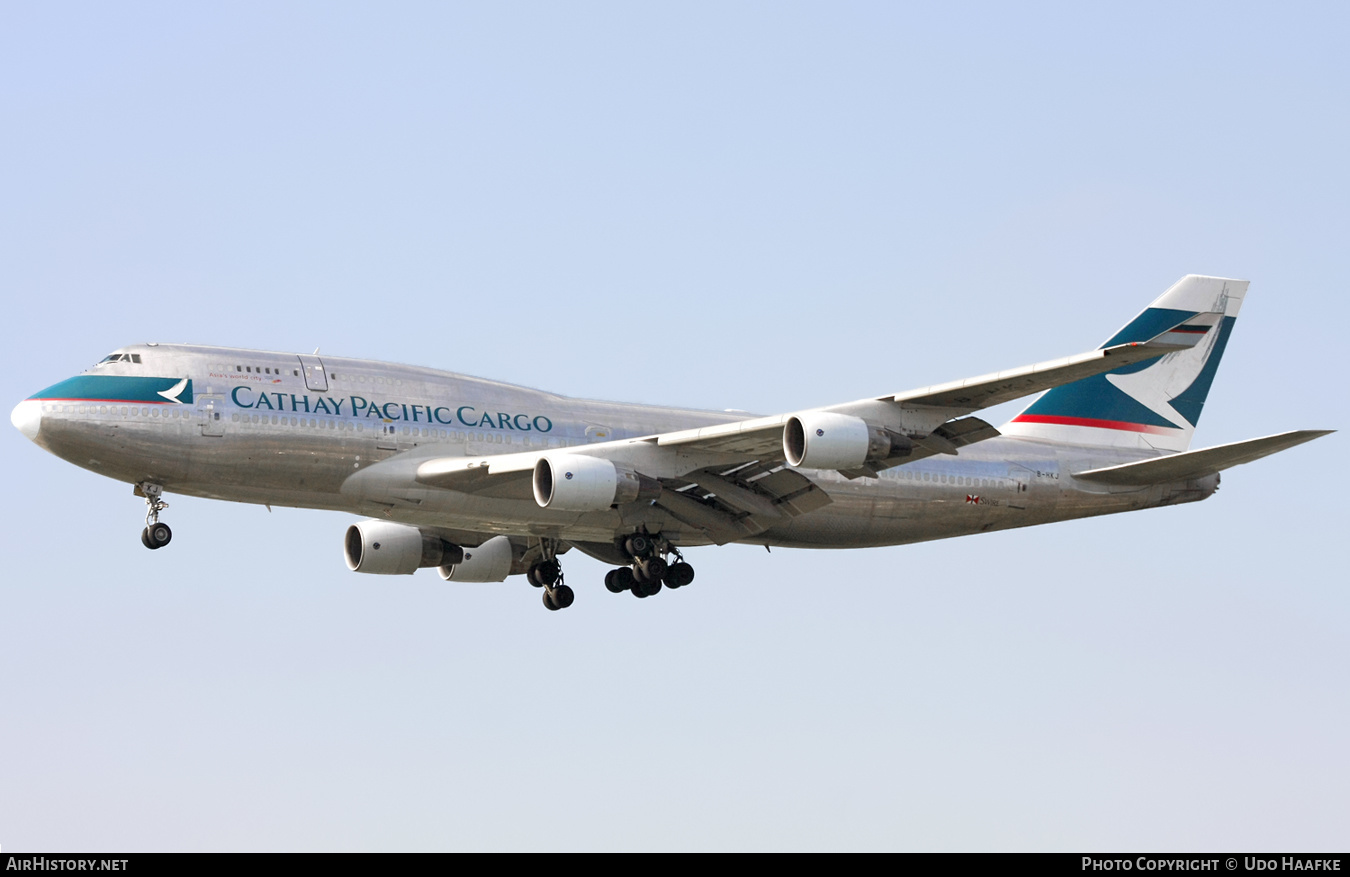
(336, 433)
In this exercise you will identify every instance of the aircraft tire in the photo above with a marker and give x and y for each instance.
(679, 575)
(654, 568)
(646, 589)
(145, 539)
(158, 535)
(548, 602)
(563, 596)
(622, 581)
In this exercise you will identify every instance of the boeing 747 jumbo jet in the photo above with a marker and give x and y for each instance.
(483, 480)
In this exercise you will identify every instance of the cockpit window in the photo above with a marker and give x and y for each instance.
(120, 357)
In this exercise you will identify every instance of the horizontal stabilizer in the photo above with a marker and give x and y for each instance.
(1198, 464)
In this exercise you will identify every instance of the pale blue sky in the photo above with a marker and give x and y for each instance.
(759, 206)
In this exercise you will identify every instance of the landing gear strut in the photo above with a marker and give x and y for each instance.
(650, 569)
(155, 535)
(547, 574)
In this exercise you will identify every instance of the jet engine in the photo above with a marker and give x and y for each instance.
(576, 483)
(386, 548)
(489, 562)
(827, 440)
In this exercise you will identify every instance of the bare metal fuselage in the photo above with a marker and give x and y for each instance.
(346, 434)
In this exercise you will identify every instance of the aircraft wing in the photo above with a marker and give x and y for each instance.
(762, 435)
(916, 424)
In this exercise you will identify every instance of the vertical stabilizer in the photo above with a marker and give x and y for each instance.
(1154, 404)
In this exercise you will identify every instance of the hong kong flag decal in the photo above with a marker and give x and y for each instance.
(972, 499)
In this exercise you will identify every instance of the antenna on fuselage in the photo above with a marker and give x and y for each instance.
(316, 352)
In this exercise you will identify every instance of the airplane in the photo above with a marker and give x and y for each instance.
(483, 480)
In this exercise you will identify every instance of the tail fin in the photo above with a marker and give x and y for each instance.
(1154, 404)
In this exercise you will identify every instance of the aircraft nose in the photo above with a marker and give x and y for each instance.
(27, 418)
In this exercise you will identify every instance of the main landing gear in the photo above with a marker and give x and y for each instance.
(547, 574)
(655, 563)
(649, 569)
(155, 535)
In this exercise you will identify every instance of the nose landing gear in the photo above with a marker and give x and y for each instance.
(155, 535)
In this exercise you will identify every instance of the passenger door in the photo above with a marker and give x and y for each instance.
(210, 410)
(315, 377)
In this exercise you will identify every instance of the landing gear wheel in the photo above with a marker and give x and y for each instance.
(648, 589)
(638, 545)
(544, 573)
(619, 580)
(157, 535)
(678, 575)
(558, 598)
(653, 568)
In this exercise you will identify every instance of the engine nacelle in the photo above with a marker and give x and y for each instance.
(489, 562)
(386, 548)
(577, 483)
(827, 440)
